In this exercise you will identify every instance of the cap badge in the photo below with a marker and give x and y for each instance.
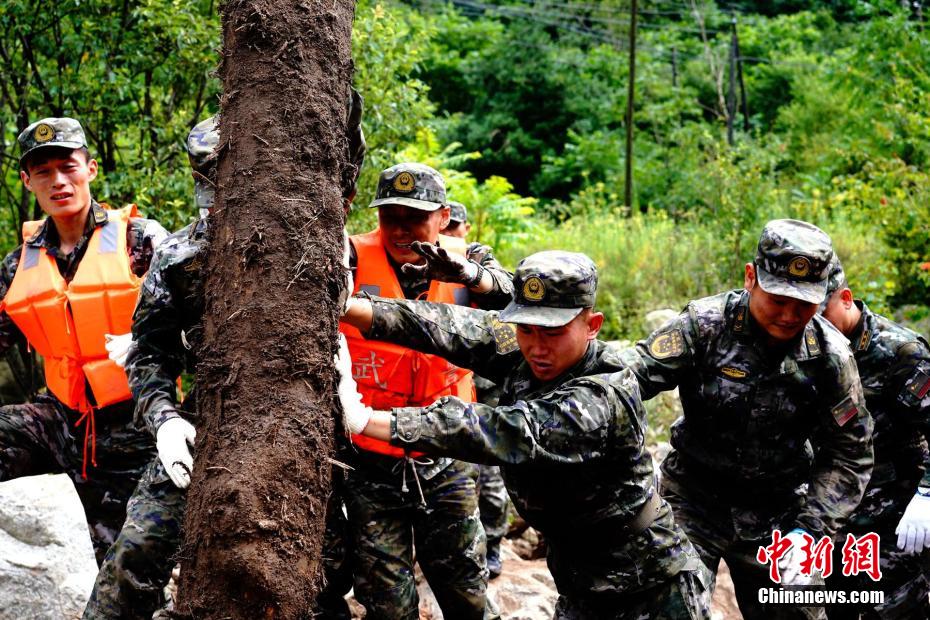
(404, 182)
(43, 133)
(534, 289)
(799, 266)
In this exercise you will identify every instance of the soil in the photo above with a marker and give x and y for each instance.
(266, 386)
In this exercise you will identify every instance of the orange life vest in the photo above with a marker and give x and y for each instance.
(66, 322)
(389, 375)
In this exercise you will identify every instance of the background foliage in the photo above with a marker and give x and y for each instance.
(521, 104)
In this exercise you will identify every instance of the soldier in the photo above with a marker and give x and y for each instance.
(458, 221)
(761, 380)
(73, 281)
(406, 257)
(894, 364)
(568, 434)
(168, 337)
(493, 503)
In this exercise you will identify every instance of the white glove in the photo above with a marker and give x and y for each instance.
(356, 414)
(790, 563)
(172, 440)
(119, 347)
(914, 527)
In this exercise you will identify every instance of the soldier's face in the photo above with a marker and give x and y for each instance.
(782, 318)
(401, 226)
(61, 183)
(550, 351)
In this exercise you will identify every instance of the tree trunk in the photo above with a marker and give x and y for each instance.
(266, 387)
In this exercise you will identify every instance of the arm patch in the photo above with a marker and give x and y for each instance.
(505, 336)
(667, 344)
(918, 384)
(845, 411)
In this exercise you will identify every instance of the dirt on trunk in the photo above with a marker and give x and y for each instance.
(266, 387)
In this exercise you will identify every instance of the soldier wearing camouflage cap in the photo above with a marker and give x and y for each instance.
(168, 338)
(459, 226)
(894, 366)
(407, 257)
(83, 426)
(763, 380)
(568, 434)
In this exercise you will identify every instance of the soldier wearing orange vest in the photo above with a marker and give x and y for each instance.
(73, 282)
(396, 499)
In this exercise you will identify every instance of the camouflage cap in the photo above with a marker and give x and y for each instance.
(201, 143)
(793, 259)
(551, 288)
(61, 132)
(457, 212)
(411, 185)
(836, 280)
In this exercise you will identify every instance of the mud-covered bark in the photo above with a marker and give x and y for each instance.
(256, 505)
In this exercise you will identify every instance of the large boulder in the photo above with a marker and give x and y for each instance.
(47, 565)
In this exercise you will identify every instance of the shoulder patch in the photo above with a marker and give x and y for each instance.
(864, 340)
(918, 383)
(667, 344)
(813, 345)
(505, 336)
(846, 410)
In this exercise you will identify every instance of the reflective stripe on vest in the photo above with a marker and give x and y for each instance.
(66, 322)
(389, 375)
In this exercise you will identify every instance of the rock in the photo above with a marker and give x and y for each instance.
(47, 565)
(525, 590)
(657, 318)
(724, 605)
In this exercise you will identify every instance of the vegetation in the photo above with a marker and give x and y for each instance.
(521, 103)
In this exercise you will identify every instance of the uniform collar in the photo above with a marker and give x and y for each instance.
(47, 235)
(861, 336)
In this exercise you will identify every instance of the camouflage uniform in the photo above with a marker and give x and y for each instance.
(168, 334)
(742, 463)
(45, 436)
(572, 451)
(894, 365)
(395, 503)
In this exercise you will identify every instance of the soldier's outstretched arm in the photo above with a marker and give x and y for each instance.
(467, 337)
(157, 360)
(843, 466)
(666, 357)
(574, 424)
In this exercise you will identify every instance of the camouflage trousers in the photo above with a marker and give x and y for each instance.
(386, 521)
(43, 438)
(684, 597)
(904, 580)
(131, 582)
(709, 524)
(493, 502)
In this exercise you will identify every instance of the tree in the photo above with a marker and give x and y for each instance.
(256, 507)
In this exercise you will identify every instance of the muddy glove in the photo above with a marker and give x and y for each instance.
(172, 440)
(790, 563)
(119, 347)
(444, 266)
(914, 528)
(355, 414)
(346, 296)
